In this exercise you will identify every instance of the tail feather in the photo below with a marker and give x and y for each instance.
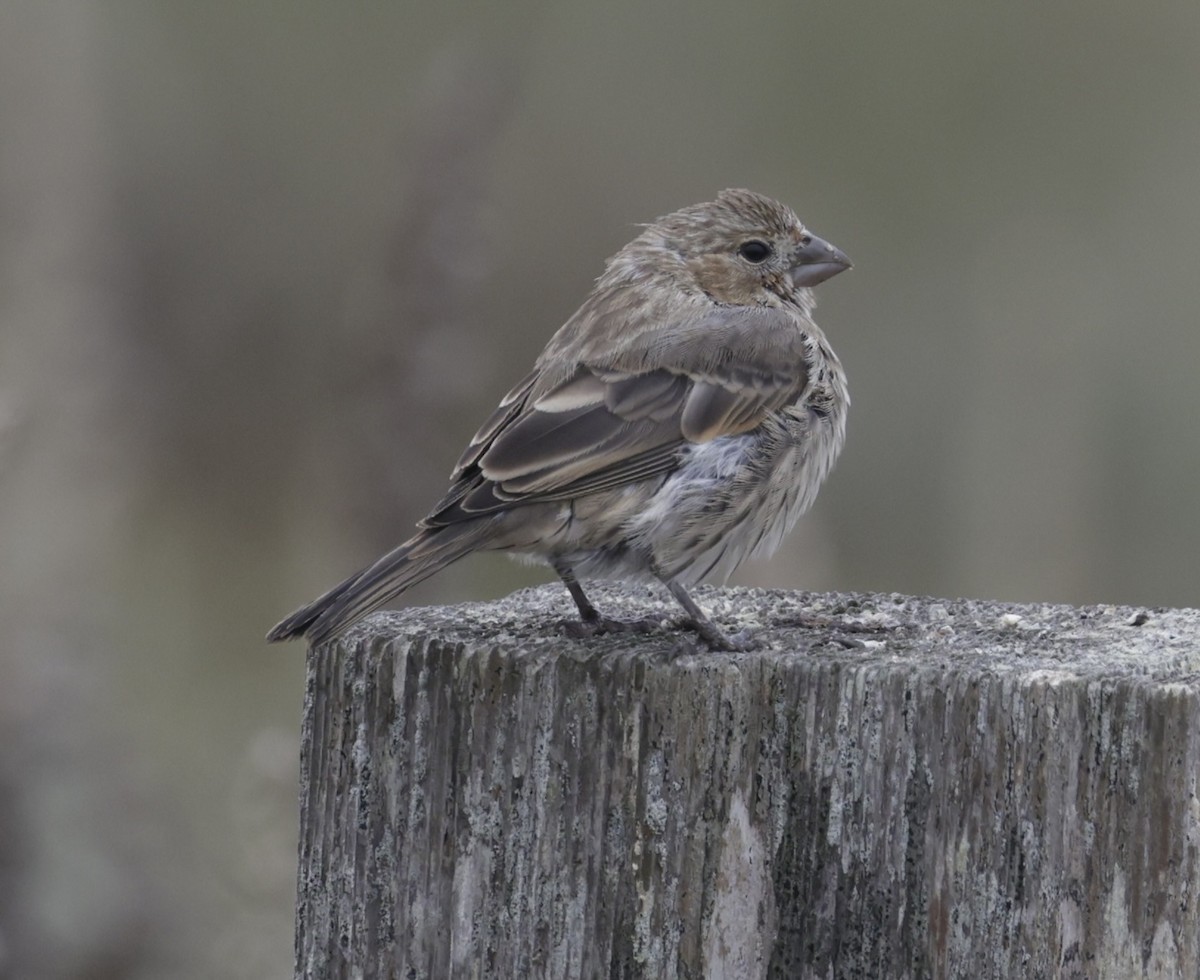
(414, 561)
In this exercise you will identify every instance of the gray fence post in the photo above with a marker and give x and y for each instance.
(890, 787)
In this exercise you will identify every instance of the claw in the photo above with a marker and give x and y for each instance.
(581, 628)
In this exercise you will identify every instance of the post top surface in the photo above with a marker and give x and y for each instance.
(1039, 641)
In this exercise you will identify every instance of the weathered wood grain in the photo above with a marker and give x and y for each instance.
(890, 787)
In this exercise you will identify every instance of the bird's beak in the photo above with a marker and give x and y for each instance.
(818, 261)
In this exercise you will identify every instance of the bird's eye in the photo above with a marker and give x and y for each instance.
(755, 251)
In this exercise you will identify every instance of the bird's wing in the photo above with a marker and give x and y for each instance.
(624, 414)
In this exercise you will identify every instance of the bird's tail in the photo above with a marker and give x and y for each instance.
(422, 555)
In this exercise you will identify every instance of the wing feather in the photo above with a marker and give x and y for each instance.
(627, 411)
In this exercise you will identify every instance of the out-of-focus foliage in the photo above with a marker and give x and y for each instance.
(263, 267)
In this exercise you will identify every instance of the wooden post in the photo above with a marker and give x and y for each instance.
(891, 787)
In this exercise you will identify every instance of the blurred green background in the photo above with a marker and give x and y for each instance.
(265, 266)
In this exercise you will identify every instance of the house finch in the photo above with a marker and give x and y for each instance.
(679, 422)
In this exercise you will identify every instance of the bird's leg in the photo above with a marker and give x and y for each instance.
(709, 632)
(592, 622)
(587, 612)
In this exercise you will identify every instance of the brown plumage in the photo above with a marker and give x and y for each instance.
(679, 422)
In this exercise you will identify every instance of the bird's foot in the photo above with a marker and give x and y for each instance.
(581, 628)
(708, 631)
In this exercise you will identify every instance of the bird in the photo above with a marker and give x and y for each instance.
(678, 423)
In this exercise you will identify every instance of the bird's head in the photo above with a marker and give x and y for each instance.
(743, 249)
